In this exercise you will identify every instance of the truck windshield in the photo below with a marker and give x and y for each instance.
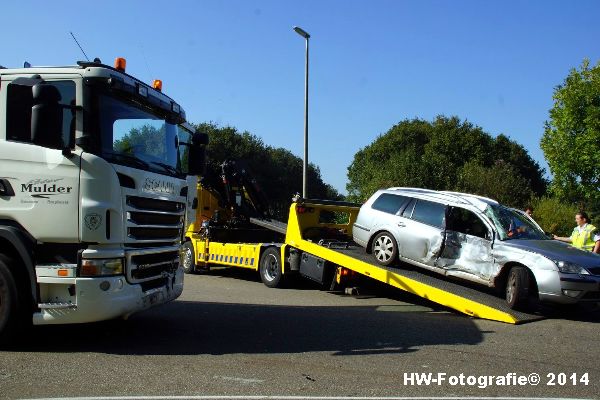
(135, 136)
(512, 224)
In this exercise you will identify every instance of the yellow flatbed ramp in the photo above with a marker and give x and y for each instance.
(472, 302)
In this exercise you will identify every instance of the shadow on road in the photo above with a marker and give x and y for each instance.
(188, 328)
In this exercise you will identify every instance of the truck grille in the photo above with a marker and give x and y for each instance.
(152, 220)
(152, 266)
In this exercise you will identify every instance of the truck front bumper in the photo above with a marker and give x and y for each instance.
(103, 298)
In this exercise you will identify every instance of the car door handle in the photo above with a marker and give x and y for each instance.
(401, 224)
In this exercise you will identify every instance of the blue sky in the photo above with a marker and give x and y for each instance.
(372, 63)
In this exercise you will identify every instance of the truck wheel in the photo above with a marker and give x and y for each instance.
(270, 267)
(385, 249)
(188, 258)
(517, 288)
(8, 302)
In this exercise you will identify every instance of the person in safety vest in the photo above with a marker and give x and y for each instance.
(585, 236)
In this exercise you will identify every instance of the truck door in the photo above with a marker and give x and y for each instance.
(467, 244)
(44, 180)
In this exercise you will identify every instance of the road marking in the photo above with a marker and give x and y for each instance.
(240, 380)
(294, 398)
(404, 308)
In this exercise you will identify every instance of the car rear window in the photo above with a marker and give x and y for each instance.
(389, 203)
(429, 213)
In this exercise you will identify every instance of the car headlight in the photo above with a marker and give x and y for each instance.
(570, 268)
(101, 267)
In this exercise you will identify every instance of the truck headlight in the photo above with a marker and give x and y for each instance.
(570, 268)
(101, 267)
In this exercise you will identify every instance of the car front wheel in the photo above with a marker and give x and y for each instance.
(517, 288)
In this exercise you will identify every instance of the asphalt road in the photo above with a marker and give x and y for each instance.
(229, 335)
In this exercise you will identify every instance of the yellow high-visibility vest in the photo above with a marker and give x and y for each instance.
(584, 239)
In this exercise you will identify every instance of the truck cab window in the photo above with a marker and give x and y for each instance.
(18, 112)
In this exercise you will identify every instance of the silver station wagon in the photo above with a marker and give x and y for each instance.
(476, 239)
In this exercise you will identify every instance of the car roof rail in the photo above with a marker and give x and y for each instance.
(474, 196)
(432, 193)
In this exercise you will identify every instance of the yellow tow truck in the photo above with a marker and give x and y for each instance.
(316, 243)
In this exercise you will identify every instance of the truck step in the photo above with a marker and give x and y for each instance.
(56, 305)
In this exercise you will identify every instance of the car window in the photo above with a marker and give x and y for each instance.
(429, 213)
(389, 203)
(465, 221)
(408, 209)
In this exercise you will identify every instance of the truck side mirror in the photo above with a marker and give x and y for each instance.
(46, 116)
(197, 155)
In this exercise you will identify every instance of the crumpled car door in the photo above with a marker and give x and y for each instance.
(467, 253)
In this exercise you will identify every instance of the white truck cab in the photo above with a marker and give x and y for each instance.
(93, 194)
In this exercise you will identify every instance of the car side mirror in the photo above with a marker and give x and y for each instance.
(46, 116)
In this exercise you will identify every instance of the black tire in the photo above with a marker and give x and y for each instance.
(269, 267)
(188, 258)
(384, 248)
(9, 303)
(517, 288)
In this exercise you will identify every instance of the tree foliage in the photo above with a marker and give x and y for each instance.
(277, 171)
(446, 154)
(146, 138)
(554, 216)
(571, 140)
(500, 181)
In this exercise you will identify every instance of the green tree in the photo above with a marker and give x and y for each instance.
(571, 140)
(502, 182)
(445, 154)
(554, 216)
(147, 138)
(277, 171)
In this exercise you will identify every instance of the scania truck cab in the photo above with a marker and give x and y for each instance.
(93, 194)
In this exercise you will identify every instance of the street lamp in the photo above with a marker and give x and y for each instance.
(306, 36)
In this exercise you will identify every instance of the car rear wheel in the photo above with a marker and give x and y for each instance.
(517, 288)
(385, 248)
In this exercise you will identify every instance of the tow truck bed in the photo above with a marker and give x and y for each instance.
(408, 273)
(473, 302)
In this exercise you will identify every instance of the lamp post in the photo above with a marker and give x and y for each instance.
(306, 36)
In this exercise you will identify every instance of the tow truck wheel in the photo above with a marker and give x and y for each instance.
(270, 267)
(8, 302)
(188, 258)
(385, 249)
(517, 288)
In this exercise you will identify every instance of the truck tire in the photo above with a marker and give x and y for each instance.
(385, 248)
(188, 258)
(9, 306)
(269, 267)
(517, 288)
